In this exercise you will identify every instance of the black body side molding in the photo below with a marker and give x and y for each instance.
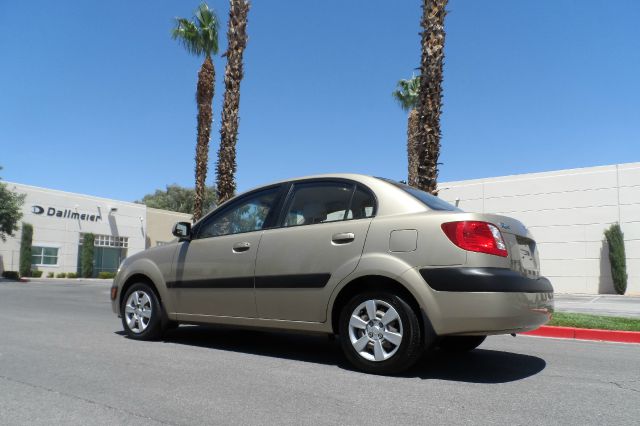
(484, 280)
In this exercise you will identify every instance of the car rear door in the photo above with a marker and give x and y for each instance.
(323, 227)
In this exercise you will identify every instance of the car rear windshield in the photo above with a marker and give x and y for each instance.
(431, 201)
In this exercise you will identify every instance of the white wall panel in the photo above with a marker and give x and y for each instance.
(558, 234)
(630, 212)
(570, 267)
(569, 284)
(562, 216)
(629, 174)
(550, 201)
(631, 230)
(561, 250)
(629, 194)
(569, 180)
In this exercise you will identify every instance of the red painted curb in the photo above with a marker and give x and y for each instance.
(586, 334)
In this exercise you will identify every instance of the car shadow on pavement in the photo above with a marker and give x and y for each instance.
(478, 366)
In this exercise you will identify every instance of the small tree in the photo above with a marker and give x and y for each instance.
(10, 214)
(617, 257)
(179, 199)
(25, 250)
(86, 259)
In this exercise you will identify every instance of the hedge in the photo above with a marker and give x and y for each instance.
(11, 275)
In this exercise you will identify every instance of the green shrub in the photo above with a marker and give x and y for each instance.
(10, 275)
(36, 274)
(72, 275)
(86, 266)
(61, 275)
(50, 275)
(25, 250)
(106, 275)
(617, 257)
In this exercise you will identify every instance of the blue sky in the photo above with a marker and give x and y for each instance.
(96, 98)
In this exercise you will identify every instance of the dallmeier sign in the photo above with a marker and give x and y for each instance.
(65, 214)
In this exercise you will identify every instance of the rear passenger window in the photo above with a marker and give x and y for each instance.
(362, 204)
(318, 203)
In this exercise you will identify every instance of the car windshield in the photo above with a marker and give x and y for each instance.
(431, 201)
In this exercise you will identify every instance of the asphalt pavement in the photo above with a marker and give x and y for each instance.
(64, 360)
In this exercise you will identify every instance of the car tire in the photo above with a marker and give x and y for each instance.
(384, 344)
(460, 343)
(141, 313)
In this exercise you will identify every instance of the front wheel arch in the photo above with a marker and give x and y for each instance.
(134, 279)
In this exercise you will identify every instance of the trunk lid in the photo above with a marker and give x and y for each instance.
(521, 246)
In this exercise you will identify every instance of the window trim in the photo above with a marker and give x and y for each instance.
(233, 203)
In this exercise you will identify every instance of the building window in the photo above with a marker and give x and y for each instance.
(44, 256)
(108, 241)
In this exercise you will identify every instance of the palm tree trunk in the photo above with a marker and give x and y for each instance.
(233, 73)
(412, 149)
(204, 97)
(430, 100)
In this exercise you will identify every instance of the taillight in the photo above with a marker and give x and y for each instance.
(477, 236)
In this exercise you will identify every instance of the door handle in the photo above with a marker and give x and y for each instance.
(343, 237)
(240, 247)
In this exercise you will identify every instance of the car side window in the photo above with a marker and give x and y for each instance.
(318, 202)
(248, 214)
(362, 204)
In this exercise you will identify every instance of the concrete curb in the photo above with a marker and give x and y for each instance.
(586, 334)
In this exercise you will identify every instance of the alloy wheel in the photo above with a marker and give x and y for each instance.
(375, 330)
(137, 311)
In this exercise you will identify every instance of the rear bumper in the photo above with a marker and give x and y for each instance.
(483, 301)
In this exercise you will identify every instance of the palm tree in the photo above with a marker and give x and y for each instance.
(430, 93)
(200, 37)
(237, 38)
(406, 94)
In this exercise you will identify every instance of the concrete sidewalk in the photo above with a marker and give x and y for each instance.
(599, 304)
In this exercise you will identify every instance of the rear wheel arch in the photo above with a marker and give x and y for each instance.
(370, 283)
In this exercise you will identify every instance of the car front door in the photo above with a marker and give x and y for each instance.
(214, 271)
(319, 242)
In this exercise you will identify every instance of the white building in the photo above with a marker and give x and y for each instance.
(60, 219)
(567, 211)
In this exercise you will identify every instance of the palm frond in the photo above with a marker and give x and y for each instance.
(407, 93)
(200, 36)
(187, 34)
(209, 23)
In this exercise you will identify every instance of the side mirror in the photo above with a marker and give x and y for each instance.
(182, 230)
